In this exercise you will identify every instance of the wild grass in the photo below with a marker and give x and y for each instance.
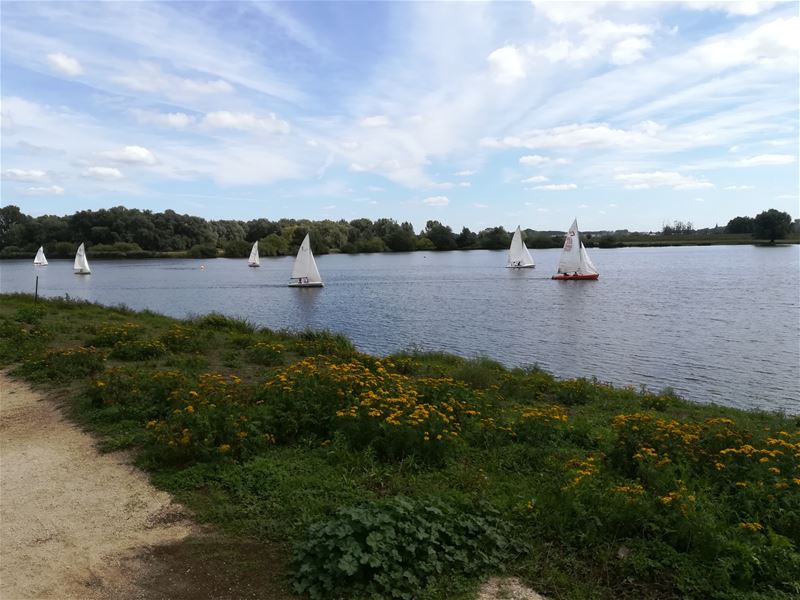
(583, 489)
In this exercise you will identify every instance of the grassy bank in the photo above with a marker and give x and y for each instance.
(415, 475)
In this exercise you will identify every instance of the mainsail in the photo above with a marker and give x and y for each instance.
(40, 259)
(518, 255)
(254, 261)
(570, 261)
(305, 267)
(81, 266)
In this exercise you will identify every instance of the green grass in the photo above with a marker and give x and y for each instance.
(296, 440)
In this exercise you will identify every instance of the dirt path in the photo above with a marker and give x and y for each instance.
(74, 523)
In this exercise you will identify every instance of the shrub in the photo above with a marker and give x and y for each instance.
(394, 549)
(182, 338)
(221, 322)
(138, 349)
(64, 365)
(214, 421)
(109, 335)
(266, 353)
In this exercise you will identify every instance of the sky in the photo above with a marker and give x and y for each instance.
(624, 115)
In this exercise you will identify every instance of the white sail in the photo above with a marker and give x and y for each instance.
(81, 266)
(305, 270)
(518, 255)
(570, 261)
(254, 261)
(587, 266)
(40, 259)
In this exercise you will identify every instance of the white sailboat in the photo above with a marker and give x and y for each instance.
(81, 266)
(575, 262)
(254, 260)
(518, 255)
(304, 272)
(40, 260)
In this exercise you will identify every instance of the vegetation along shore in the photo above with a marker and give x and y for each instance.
(420, 475)
(131, 233)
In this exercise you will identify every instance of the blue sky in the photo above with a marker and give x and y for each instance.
(626, 115)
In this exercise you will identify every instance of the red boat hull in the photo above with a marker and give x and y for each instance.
(577, 277)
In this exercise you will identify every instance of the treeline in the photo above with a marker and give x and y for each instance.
(133, 233)
(130, 232)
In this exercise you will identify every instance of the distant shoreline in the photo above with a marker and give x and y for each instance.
(656, 243)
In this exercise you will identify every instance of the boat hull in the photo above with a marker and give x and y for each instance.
(576, 277)
(306, 285)
(520, 266)
(254, 266)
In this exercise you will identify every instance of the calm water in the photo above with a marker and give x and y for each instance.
(718, 324)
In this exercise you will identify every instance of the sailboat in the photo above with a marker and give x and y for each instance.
(81, 266)
(40, 260)
(518, 255)
(304, 272)
(575, 262)
(254, 261)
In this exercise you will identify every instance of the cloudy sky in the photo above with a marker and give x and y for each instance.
(626, 115)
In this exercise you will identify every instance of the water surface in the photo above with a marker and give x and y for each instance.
(718, 324)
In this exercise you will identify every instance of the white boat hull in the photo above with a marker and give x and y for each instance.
(304, 285)
(520, 266)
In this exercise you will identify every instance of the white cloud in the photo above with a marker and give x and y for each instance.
(576, 136)
(766, 159)
(375, 121)
(132, 154)
(449, 185)
(464, 173)
(53, 190)
(656, 179)
(533, 160)
(775, 42)
(436, 201)
(556, 187)
(699, 199)
(149, 77)
(507, 65)
(64, 64)
(374, 188)
(245, 121)
(543, 210)
(535, 179)
(178, 120)
(103, 173)
(630, 50)
(786, 197)
(479, 205)
(32, 175)
(739, 187)
(745, 8)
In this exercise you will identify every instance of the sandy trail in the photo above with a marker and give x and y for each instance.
(73, 522)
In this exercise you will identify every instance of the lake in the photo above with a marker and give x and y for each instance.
(718, 324)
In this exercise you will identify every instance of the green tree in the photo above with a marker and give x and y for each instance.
(772, 225)
(740, 225)
(466, 239)
(441, 235)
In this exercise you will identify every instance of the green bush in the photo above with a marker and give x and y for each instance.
(266, 353)
(107, 336)
(395, 548)
(138, 350)
(63, 365)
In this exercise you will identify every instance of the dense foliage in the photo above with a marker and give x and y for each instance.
(128, 232)
(131, 233)
(278, 436)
